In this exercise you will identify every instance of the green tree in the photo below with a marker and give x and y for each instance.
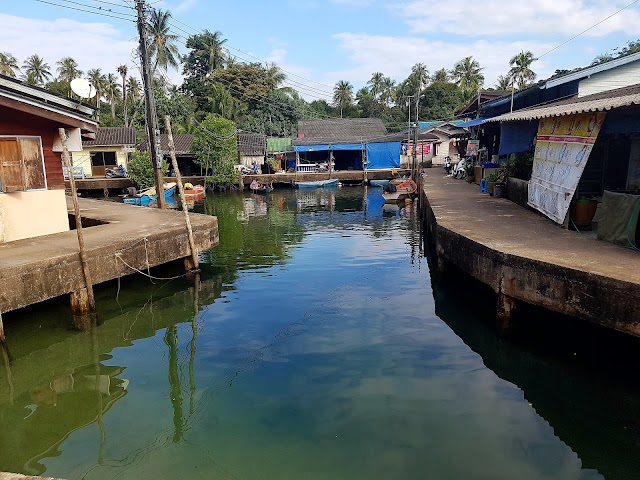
(441, 100)
(375, 84)
(68, 69)
(206, 54)
(97, 79)
(441, 75)
(162, 43)
(36, 71)
(343, 95)
(602, 58)
(366, 102)
(521, 72)
(123, 70)
(503, 82)
(215, 148)
(467, 74)
(140, 169)
(419, 77)
(275, 76)
(8, 65)
(112, 90)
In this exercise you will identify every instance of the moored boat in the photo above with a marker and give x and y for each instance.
(404, 190)
(149, 195)
(261, 187)
(194, 192)
(378, 183)
(318, 184)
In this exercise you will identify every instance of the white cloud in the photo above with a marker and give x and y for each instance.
(518, 17)
(394, 56)
(92, 45)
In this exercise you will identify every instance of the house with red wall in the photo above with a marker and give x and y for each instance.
(32, 188)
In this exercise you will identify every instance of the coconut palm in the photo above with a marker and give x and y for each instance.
(210, 46)
(440, 76)
(8, 64)
(68, 69)
(123, 70)
(96, 78)
(375, 84)
(162, 48)
(503, 82)
(343, 95)
(275, 75)
(134, 89)
(112, 90)
(467, 73)
(36, 71)
(521, 72)
(387, 91)
(419, 76)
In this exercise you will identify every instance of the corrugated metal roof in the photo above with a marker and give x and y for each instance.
(112, 137)
(339, 130)
(621, 97)
(182, 143)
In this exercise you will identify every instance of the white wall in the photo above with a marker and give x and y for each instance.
(623, 76)
(32, 213)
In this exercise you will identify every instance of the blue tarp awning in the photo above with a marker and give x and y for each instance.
(347, 146)
(516, 137)
(474, 122)
(311, 148)
(383, 155)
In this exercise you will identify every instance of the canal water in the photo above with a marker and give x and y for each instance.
(314, 347)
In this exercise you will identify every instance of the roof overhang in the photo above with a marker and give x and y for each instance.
(574, 108)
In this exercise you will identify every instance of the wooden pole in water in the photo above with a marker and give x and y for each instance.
(187, 220)
(76, 207)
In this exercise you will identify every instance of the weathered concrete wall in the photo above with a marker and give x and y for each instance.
(132, 238)
(599, 298)
(32, 214)
(518, 191)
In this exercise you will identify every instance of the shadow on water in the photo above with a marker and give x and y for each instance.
(579, 377)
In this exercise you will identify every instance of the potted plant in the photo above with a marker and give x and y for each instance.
(492, 180)
(470, 170)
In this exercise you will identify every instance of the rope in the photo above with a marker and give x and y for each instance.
(119, 257)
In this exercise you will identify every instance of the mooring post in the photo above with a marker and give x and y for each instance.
(90, 305)
(187, 220)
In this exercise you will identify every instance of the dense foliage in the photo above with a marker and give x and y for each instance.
(214, 147)
(141, 171)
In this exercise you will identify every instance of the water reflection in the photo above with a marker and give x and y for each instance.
(311, 347)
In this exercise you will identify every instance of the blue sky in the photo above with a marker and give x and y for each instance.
(326, 41)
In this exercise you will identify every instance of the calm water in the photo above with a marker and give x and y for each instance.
(314, 348)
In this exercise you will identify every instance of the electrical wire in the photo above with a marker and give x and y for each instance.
(86, 11)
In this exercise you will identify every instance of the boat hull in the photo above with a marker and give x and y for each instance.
(318, 184)
(378, 183)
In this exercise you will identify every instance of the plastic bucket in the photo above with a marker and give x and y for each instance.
(498, 190)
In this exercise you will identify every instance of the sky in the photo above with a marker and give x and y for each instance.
(318, 42)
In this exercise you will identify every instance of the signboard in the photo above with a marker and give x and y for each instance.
(562, 150)
(421, 149)
(472, 147)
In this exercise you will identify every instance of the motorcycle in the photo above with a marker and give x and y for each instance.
(459, 170)
(116, 172)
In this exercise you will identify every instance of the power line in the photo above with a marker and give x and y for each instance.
(85, 11)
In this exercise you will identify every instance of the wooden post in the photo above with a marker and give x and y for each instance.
(187, 220)
(91, 301)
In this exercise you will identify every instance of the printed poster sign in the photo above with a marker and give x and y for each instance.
(421, 149)
(562, 150)
(472, 147)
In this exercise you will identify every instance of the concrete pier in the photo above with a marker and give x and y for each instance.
(524, 257)
(123, 239)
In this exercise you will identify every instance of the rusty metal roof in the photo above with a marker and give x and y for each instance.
(620, 97)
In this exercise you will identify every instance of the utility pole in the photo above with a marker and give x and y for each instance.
(153, 133)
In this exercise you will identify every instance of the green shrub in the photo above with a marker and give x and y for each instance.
(140, 169)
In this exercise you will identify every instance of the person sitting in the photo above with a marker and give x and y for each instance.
(254, 168)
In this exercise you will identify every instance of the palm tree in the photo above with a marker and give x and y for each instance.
(162, 48)
(375, 84)
(440, 76)
(521, 72)
(467, 73)
(134, 93)
(36, 71)
(96, 79)
(123, 70)
(419, 76)
(8, 64)
(387, 90)
(209, 46)
(68, 69)
(504, 82)
(275, 76)
(112, 89)
(343, 95)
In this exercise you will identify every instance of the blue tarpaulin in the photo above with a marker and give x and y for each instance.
(311, 148)
(516, 137)
(474, 122)
(383, 155)
(347, 146)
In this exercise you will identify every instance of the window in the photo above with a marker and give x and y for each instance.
(103, 159)
(21, 164)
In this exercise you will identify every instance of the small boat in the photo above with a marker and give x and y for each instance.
(378, 183)
(149, 195)
(404, 190)
(318, 184)
(192, 192)
(259, 187)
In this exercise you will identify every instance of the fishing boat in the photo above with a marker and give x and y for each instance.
(404, 190)
(378, 183)
(260, 187)
(194, 192)
(318, 184)
(149, 195)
